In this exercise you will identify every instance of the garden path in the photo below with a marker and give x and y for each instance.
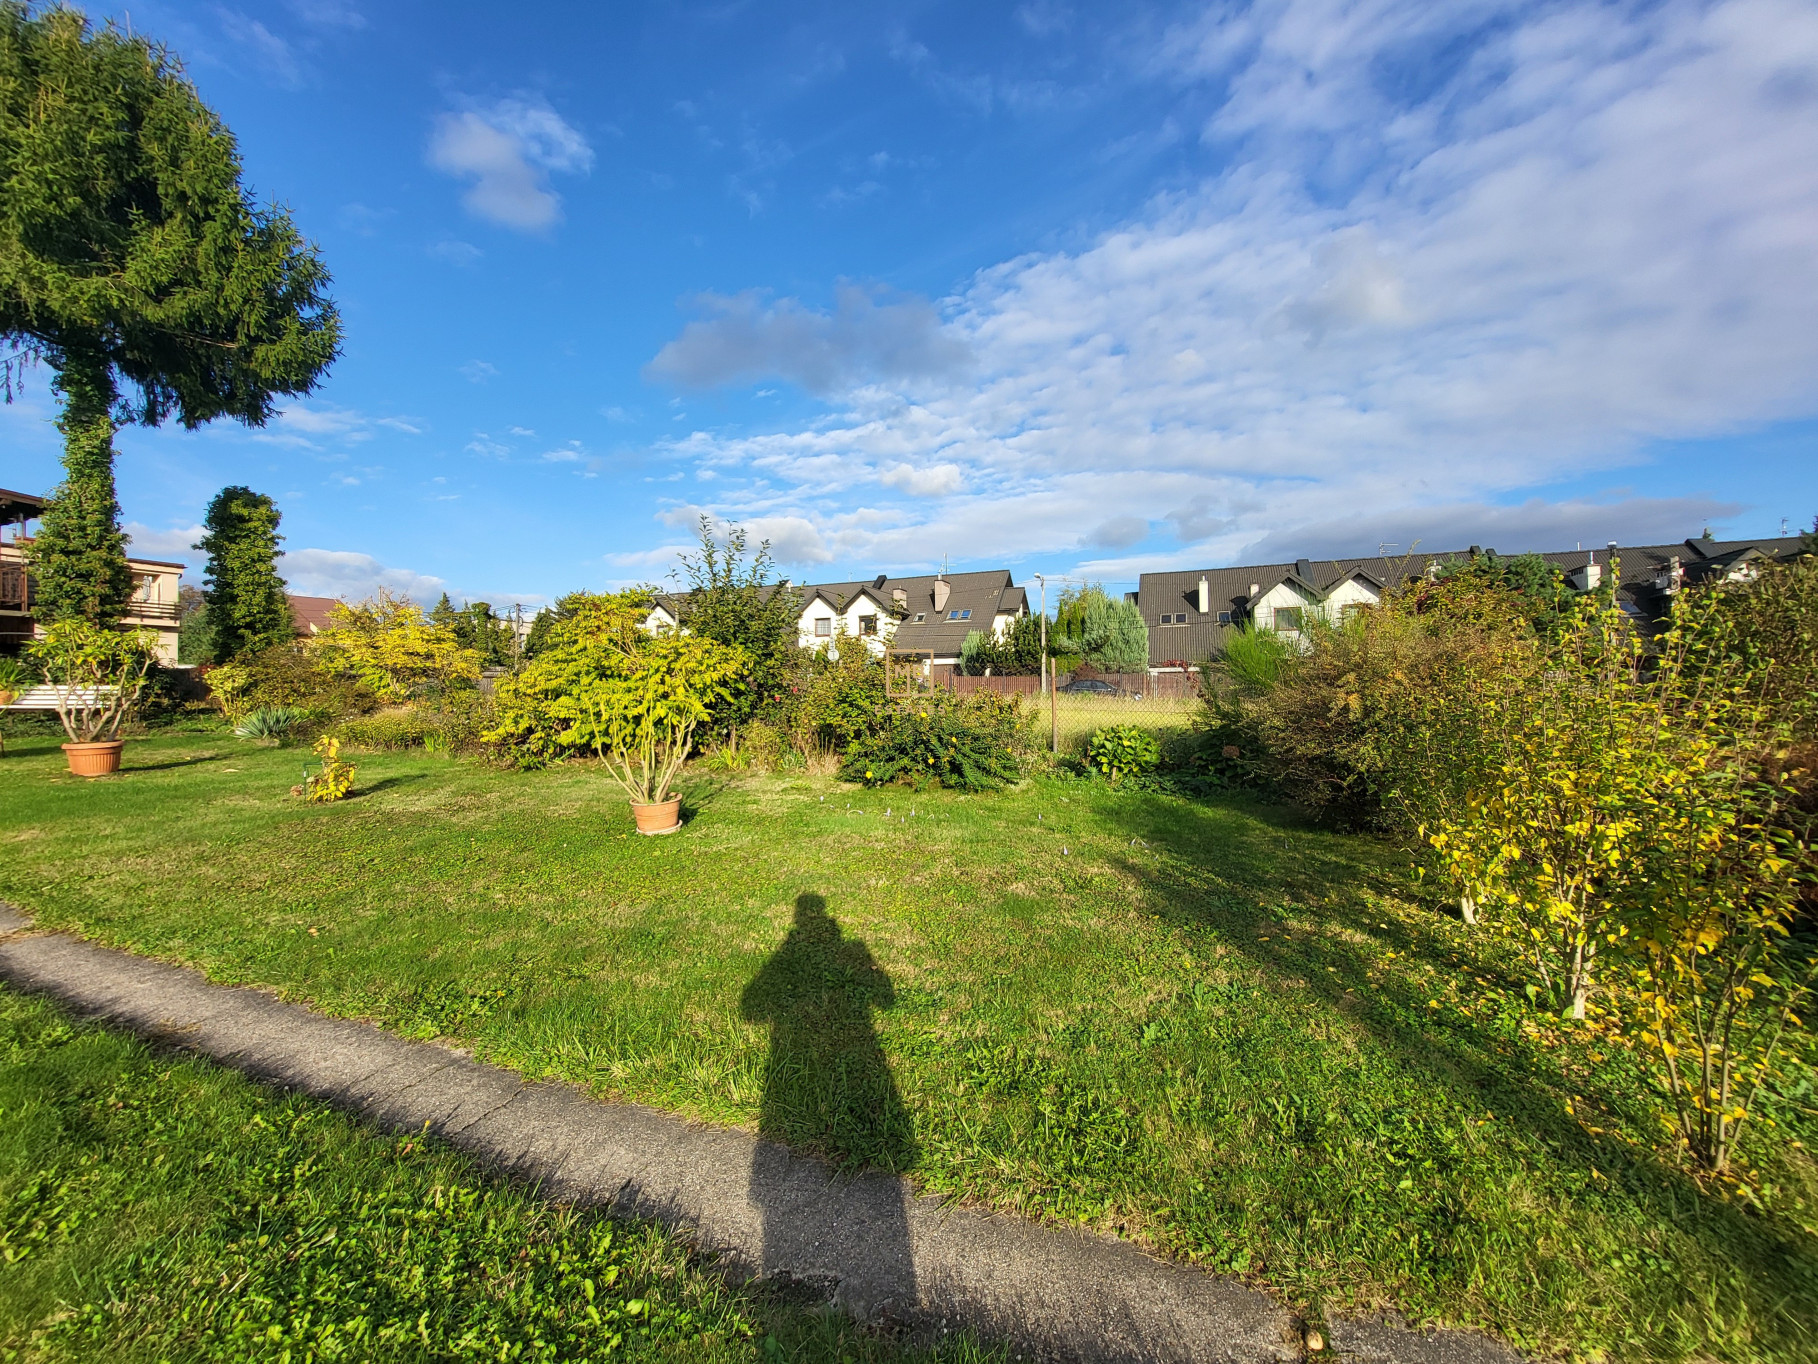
(765, 1210)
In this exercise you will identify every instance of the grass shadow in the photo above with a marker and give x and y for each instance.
(174, 763)
(384, 784)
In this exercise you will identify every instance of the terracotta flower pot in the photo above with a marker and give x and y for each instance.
(664, 817)
(94, 760)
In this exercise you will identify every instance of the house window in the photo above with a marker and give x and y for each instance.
(1174, 618)
(867, 625)
(960, 615)
(920, 616)
(823, 626)
(1224, 617)
(1287, 618)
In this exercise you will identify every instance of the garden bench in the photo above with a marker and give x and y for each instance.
(46, 698)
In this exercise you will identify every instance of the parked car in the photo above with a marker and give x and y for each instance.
(1090, 686)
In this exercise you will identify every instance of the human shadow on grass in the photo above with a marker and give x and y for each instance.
(828, 1090)
(1238, 880)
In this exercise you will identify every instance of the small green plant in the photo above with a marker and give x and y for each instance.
(270, 723)
(1122, 751)
(15, 677)
(335, 779)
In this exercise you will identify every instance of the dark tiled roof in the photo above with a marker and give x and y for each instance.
(1230, 588)
(986, 595)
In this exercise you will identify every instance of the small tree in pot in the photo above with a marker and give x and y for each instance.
(639, 712)
(99, 676)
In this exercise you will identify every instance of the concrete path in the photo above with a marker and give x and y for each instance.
(868, 1244)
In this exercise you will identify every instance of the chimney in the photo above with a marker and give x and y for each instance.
(941, 589)
(879, 581)
(1476, 550)
(1255, 590)
(900, 597)
(1303, 569)
(1205, 597)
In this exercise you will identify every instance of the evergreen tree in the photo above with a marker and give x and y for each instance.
(79, 555)
(444, 615)
(248, 609)
(134, 264)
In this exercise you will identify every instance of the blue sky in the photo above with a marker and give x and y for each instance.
(1061, 288)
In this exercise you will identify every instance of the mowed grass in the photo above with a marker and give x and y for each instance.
(1077, 714)
(1238, 1040)
(155, 1208)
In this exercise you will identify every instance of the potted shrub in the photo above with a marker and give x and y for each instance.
(15, 677)
(638, 711)
(98, 676)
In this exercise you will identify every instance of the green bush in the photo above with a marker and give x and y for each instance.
(1123, 751)
(832, 702)
(968, 745)
(290, 676)
(452, 724)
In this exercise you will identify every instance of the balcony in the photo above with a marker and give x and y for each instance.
(150, 612)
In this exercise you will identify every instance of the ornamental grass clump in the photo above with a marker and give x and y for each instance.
(271, 723)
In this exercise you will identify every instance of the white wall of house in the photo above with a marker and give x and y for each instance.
(1288, 596)
(1284, 596)
(822, 623)
(660, 620)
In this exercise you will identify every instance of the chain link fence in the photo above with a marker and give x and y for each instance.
(1069, 707)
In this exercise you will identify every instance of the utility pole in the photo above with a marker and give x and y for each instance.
(1047, 681)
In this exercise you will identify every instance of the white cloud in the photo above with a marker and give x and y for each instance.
(867, 336)
(479, 371)
(934, 480)
(455, 252)
(508, 150)
(320, 426)
(1387, 313)
(266, 48)
(344, 573)
(173, 545)
(328, 13)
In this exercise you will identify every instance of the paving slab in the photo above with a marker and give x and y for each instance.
(868, 1244)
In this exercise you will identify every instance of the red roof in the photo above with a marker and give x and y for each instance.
(310, 614)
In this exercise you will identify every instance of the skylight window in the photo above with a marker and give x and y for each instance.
(960, 615)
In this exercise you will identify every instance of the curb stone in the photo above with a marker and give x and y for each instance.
(867, 1244)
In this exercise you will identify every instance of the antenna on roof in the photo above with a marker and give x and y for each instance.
(1383, 549)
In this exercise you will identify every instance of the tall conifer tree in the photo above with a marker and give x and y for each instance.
(135, 264)
(248, 609)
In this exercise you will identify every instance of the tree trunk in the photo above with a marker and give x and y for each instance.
(79, 556)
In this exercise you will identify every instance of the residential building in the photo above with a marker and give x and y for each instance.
(930, 614)
(1189, 614)
(153, 605)
(310, 615)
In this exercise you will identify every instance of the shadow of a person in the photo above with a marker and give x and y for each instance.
(828, 1090)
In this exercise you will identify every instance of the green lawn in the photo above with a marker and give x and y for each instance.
(154, 1208)
(1240, 1041)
